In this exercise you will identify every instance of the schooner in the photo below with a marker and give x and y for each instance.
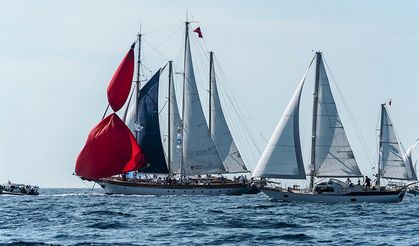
(195, 150)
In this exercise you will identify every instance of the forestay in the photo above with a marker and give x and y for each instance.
(333, 153)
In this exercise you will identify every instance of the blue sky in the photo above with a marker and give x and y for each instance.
(56, 58)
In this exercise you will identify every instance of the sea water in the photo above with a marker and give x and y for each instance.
(89, 217)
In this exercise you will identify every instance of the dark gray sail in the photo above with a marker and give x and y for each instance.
(148, 126)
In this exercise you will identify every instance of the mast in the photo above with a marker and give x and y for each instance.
(210, 91)
(380, 146)
(183, 94)
(169, 128)
(314, 124)
(138, 82)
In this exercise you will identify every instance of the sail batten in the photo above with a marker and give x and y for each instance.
(333, 154)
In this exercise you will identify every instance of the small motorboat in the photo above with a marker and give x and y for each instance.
(18, 189)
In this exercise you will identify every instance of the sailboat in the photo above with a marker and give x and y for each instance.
(194, 148)
(331, 153)
(394, 162)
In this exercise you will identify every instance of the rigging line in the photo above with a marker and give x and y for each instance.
(164, 105)
(159, 45)
(106, 110)
(163, 29)
(351, 117)
(146, 68)
(224, 92)
(230, 99)
(155, 50)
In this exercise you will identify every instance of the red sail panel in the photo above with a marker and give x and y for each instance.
(110, 149)
(120, 85)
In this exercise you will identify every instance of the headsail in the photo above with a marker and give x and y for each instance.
(199, 153)
(149, 138)
(333, 153)
(220, 132)
(394, 162)
(120, 85)
(282, 156)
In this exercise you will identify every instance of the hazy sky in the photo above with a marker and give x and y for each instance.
(57, 57)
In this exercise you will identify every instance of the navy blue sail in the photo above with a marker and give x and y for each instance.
(149, 137)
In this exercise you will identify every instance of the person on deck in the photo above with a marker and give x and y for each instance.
(367, 182)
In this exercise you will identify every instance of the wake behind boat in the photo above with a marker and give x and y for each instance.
(194, 148)
(331, 154)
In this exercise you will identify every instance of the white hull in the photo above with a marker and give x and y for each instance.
(370, 196)
(161, 190)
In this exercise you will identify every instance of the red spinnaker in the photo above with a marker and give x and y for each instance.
(110, 149)
(120, 85)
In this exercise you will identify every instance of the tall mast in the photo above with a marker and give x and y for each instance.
(314, 124)
(210, 91)
(183, 96)
(138, 82)
(380, 146)
(169, 127)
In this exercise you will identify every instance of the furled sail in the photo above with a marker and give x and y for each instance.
(120, 85)
(333, 153)
(148, 127)
(110, 149)
(282, 156)
(394, 162)
(221, 134)
(199, 153)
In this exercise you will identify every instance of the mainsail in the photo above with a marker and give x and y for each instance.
(220, 132)
(282, 156)
(394, 163)
(333, 154)
(199, 152)
(148, 127)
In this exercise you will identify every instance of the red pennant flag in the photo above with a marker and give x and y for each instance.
(198, 30)
(110, 149)
(120, 85)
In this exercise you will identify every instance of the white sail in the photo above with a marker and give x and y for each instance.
(221, 134)
(410, 150)
(282, 156)
(394, 162)
(199, 153)
(175, 125)
(333, 153)
(130, 111)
